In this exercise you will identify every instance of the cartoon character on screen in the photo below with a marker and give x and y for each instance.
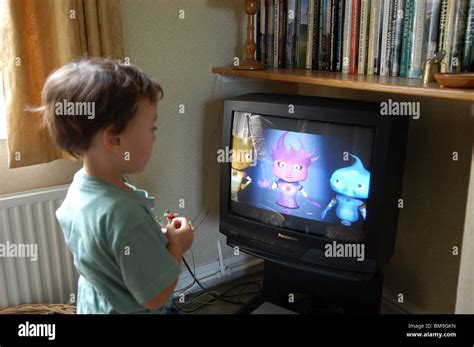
(291, 168)
(352, 184)
(242, 159)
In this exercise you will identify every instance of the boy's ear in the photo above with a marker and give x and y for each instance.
(111, 140)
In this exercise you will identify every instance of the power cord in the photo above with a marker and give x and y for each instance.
(216, 296)
(192, 274)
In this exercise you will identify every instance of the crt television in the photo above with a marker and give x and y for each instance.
(311, 182)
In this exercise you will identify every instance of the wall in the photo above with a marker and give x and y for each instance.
(465, 294)
(33, 177)
(180, 53)
(423, 267)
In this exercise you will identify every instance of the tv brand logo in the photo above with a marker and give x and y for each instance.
(396, 108)
(345, 250)
(241, 157)
(282, 236)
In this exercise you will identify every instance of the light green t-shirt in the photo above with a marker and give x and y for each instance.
(118, 247)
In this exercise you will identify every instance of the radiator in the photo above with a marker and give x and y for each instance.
(28, 221)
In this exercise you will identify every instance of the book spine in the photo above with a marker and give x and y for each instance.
(414, 63)
(385, 44)
(315, 47)
(390, 36)
(443, 10)
(269, 10)
(459, 30)
(388, 51)
(406, 38)
(364, 16)
(354, 38)
(309, 45)
(430, 41)
(397, 39)
(327, 43)
(468, 57)
(263, 27)
(276, 29)
(333, 36)
(448, 35)
(327, 35)
(346, 39)
(340, 32)
(281, 33)
(321, 38)
(291, 35)
(378, 35)
(302, 32)
(371, 47)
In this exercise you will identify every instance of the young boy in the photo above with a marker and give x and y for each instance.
(104, 112)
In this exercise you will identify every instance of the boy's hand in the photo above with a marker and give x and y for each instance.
(180, 234)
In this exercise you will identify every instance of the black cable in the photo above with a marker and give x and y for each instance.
(192, 274)
(224, 297)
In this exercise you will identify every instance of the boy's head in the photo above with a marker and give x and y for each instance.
(103, 108)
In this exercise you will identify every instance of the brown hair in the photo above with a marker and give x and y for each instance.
(114, 89)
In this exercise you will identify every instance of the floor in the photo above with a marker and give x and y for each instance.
(245, 289)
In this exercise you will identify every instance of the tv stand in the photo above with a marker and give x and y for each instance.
(307, 292)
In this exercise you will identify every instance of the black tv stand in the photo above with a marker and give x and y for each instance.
(314, 293)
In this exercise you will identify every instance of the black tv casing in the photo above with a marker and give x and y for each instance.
(305, 251)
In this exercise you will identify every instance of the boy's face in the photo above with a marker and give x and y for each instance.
(138, 138)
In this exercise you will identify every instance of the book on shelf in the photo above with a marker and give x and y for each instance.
(459, 30)
(346, 37)
(414, 63)
(363, 26)
(301, 32)
(310, 42)
(430, 39)
(468, 56)
(374, 37)
(291, 35)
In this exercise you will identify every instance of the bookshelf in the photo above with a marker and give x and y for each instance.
(366, 83)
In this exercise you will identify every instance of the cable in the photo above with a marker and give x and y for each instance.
(216, 296)
(192, 274)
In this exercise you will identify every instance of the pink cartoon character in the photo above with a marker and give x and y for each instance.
(291, 168)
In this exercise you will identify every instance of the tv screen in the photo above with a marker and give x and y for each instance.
(295, 174)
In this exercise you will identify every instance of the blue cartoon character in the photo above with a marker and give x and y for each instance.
(290, 166)
(352, 184)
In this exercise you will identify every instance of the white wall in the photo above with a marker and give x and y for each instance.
(180, 53)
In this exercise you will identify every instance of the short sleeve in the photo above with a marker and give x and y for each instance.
(146, 265)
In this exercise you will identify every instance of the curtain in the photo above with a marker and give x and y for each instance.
(38, 36)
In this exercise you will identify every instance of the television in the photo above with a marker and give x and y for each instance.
(310, 182)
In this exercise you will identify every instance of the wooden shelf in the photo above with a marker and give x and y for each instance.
(384, 84)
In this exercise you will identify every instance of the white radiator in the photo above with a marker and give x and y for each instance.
(29, 230)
